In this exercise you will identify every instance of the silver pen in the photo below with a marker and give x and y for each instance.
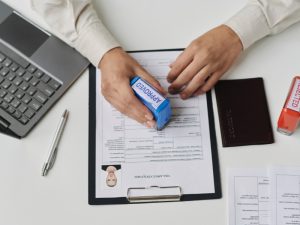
(53, 148)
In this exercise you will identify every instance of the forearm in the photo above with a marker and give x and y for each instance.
(265, 17)
(79, 25)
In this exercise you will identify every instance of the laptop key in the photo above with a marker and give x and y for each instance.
(31, 69)
(17, 114)
(34, 81)
(17, 81)
(20, 72)
(38, 74)
(4, 71)
(12, 89)
(24, 86)
(27, 76)
(8, 98)
(45, 78)
(35, 105)
(4, 105)
(22, 108)
(14, 67)
(10, 109)
(2, 57)
(7, 62)
(23, 120)
(19, 94)
(54, 84)
(26, 99)
(40, 97)
(2, 93)
(1, 79)
(31, 90)
(11, 76)
(15, 103)
(45, 89)
(5, 84)
(29, 113)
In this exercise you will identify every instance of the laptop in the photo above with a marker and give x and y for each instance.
(36, 69)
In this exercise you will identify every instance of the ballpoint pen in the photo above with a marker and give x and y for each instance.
(53, 148)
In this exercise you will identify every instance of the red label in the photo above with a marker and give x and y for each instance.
(294, 100)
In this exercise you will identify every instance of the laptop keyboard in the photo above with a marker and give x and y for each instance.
(24, 90)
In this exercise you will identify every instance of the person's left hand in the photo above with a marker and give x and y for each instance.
(204, 61)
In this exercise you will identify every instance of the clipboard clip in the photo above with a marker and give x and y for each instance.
(154, 194)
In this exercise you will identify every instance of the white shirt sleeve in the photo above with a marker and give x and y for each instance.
(78, 24)
(260, 18)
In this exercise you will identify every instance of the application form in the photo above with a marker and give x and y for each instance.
(129, 155)
(264, 196)
(286, 196)
(249, 197)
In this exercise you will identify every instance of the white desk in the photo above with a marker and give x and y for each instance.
(61, 198)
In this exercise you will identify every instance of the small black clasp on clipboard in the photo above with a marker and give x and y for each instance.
(154, 194)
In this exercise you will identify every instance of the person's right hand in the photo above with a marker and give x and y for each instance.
(117, 69)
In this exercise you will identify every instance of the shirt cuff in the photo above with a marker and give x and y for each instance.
(250, 24)
(94, 42)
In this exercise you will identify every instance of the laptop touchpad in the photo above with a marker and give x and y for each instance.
(21, 34)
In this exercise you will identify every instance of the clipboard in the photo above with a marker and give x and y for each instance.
(139, 194)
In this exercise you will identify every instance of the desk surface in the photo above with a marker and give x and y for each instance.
(61, 197)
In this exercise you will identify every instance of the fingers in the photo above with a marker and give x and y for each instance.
(151, 80)
(182, 61)
(196, 82)
(186, 76)
(209, 84)
(129, 105)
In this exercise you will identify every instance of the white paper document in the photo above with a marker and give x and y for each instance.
(264, 196)
(249, 197)
(129, 155)
(286, 196)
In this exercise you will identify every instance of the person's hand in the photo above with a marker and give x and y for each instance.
(117, 69)
(198, 68)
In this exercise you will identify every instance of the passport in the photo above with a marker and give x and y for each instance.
(243, 112)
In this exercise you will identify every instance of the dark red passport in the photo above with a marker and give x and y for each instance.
(243, 112)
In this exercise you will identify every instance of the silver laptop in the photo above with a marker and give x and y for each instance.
(36, 69)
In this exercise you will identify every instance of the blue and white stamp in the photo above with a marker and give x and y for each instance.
(153, 100)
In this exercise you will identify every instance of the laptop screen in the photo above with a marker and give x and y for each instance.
(21, 34)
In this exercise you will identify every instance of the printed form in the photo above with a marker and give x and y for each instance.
(129, 155)
(264, 196)
(286, 196)
(249, 197)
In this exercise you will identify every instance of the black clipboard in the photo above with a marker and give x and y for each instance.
(92, 200)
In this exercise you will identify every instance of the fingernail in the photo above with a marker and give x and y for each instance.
(169, 80)
(149, 117)
(146, 125)
(199, 93)
(172, 90)
(151, 123)
(183, 96)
